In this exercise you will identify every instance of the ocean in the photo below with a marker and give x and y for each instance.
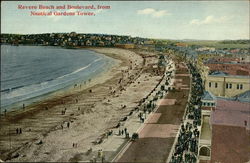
(28, 72)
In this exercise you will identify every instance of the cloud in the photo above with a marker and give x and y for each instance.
(209, 20)
(153, 12)
(146, 11)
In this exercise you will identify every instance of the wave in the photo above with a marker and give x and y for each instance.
(80, 69)
(36, 90)
(37, 87)
(49, 80)
(27, 77)
(10, 89)
(45, 82)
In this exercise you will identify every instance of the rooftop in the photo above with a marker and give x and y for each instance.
(221, 60)
(230, 144)
(208, 96)
(244, 97)
(240, 69)
(231, 113)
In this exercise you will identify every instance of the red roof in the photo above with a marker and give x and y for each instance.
(230, 144)
(231, 113)
(231, 69)
(226, 59)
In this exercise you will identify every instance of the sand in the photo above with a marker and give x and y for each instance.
(45, 135)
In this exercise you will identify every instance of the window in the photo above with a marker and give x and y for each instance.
(216, 85)
(238, 86)
(229, 86)
(241, 86)
(204, 104)
(210, 84)
(208, 104)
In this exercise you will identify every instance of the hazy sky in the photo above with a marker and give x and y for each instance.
(209, 20)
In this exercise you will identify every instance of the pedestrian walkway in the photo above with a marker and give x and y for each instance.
(157, 135)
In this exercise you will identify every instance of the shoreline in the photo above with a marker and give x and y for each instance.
(33, 109)
(36, 100)
(46, 136)
(56, 95)
(63, 92)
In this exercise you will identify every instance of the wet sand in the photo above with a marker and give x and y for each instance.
(45, 135)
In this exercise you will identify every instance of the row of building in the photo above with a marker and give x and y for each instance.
(74, 39)
(225, 130)
(225, 107)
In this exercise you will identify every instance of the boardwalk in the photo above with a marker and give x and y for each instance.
(158, 133)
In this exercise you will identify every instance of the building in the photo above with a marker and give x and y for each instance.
(225, 129)
(205, 49)
(208, 104)
(88, 43)
(148, 42)
(181, 44)
(230, 132)
(226, 77)
(230, 68)
(222, 84)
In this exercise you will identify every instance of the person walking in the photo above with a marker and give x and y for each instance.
(125, 131)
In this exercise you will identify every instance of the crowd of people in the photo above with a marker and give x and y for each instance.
(147, 104)
(186, 147)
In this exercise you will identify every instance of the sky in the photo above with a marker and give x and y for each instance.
(202, 20)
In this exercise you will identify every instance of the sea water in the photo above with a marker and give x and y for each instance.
(32, 71)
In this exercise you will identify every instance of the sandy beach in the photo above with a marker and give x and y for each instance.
(81, 116)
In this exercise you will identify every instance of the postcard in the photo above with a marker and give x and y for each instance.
(125, 81)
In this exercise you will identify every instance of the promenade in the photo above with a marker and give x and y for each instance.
(158, 133)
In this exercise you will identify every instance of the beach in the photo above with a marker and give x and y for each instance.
(80, 116)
